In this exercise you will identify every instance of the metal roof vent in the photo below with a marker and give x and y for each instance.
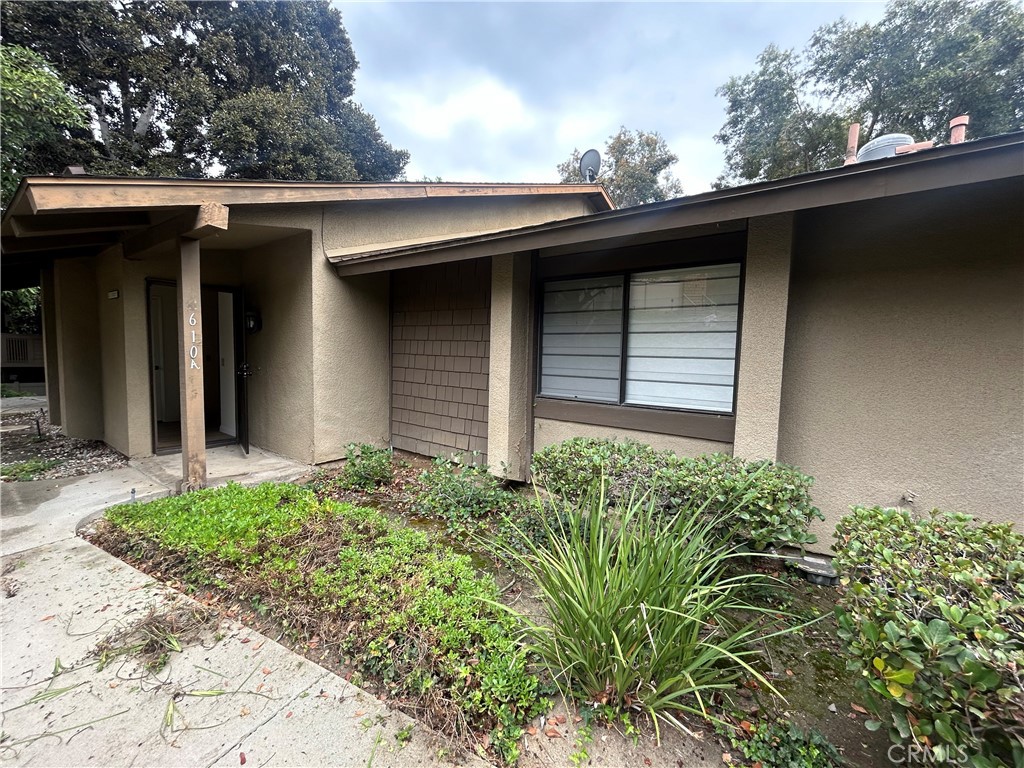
(883, 146)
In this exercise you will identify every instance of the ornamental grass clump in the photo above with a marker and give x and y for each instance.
(640, 613)
(933, 620)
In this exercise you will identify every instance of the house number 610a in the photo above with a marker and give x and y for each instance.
(193, 351)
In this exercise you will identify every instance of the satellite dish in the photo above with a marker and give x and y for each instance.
(590, 165)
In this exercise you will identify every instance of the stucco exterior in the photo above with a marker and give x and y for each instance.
(904, 364)
(762, 338)
(509, 425)
(78, 335)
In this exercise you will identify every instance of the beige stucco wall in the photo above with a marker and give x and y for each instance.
(50, 345)
(387, 221)
(549, 431)
(278, 285)
(762, 336)
(510, 396)
(78, 348)
(904, 366)
(109, 278)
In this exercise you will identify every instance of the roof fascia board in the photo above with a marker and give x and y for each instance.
(797, 193)
(52, 194)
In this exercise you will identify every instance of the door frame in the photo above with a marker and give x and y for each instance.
(238, 327)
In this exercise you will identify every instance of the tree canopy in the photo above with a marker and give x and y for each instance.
(921, 65)
(35, 107)
(636, 168)
(174, 88)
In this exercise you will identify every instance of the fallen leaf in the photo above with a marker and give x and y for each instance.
(746, 726)
(359, 713)
(726, 757)
(259, 687)
(789, 673)
(577, 719)
(647, 761)
(560, 719)
(47, 618)
(267, 670)
(246, 640)
(241, 758)
(532, 730)
(757, 765)
(552, 733)
(245, 712)
(288, 715)
(858, 708)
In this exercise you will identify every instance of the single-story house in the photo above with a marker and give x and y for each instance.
(865, 323)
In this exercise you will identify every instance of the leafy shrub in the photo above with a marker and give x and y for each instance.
(366, 467)
(573, 468)
(460, 493)
(638, 615)
(779, 744)
(933, 619)
(769, 504)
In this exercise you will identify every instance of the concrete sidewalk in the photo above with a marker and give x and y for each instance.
(233, 698)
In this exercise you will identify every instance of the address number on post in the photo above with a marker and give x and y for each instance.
(193, 351)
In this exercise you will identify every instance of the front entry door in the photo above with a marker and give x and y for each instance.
(242, 374)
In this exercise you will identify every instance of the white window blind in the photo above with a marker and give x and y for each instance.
(681, 339)
(581, 346)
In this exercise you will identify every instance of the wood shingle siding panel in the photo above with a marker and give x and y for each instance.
(440, 343)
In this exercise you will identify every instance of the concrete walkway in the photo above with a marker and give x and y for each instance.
(22, 404)
(232, 698)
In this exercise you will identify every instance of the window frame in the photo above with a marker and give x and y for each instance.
(718, 426)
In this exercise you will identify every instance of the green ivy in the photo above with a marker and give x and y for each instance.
(933, 620)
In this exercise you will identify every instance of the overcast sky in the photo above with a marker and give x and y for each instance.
(505, 91)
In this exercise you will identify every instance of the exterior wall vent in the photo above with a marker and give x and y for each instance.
(883, 146)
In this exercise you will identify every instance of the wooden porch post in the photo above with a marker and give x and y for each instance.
(190, 350)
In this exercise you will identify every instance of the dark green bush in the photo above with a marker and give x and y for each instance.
(460, 493)
(933, 619)
(573, 468)
(366, 467)
(769, 504)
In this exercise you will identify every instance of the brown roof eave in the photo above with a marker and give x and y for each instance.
(970, 162)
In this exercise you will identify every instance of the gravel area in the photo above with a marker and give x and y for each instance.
(22, 442)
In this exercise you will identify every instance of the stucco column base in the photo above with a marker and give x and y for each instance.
(508, 425)
(763, 336)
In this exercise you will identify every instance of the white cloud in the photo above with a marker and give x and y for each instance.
(436, 111)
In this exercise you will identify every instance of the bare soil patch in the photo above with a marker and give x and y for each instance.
(30, 437)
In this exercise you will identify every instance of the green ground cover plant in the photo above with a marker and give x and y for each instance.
(933, 622)
(28, 470)
(462, 495)
(366, 468)
(768, 503)
(782, 744)
(640, 613)
(413, 615)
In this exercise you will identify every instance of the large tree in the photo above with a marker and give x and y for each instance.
(635, 168)
(258, 89)
(922, 64)
(35, 108)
